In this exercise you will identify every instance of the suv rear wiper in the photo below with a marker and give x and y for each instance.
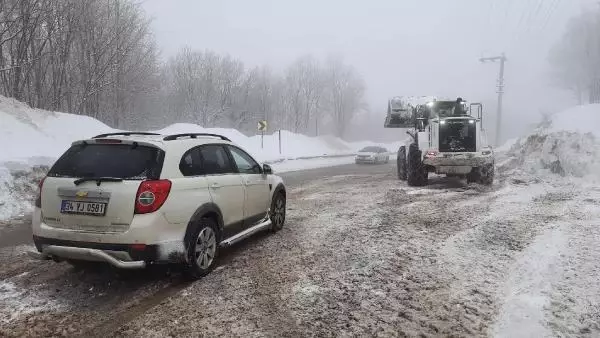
(98, 180)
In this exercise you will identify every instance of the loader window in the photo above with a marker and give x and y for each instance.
(458, 136)
(443, 108)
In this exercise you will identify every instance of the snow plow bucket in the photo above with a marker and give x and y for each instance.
(401, 119)
(400, 114)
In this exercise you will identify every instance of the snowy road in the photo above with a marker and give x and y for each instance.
(362, 254)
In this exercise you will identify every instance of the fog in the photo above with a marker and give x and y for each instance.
(413, 47)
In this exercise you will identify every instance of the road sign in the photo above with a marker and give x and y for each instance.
(262, 125)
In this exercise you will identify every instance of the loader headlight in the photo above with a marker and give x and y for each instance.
(471, 121)
(442, 122)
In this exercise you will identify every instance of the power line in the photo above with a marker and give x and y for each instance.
(553, 9)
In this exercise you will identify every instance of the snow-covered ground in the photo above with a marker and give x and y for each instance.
(552, 286)
(365, 255)
(34, 137)
(451, 259)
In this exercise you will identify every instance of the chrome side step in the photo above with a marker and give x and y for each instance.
(246, 233)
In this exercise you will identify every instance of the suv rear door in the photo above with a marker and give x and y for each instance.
(257, 192)
(225, 186)
(93, 186)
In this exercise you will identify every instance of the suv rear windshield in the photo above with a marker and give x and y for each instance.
(124, 161)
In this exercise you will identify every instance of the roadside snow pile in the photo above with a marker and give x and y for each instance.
(293, 146)
(18, 188)
(34, 138)
(568, 144)
(37, 136)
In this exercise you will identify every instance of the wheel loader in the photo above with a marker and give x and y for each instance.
(446, 137)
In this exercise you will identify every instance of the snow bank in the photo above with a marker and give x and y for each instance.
(34, 138)
(32, 135)
(293, 146)
(39, 137)
(568, 144)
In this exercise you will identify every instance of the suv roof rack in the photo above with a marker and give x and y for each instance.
(125, 133)
(194, 135)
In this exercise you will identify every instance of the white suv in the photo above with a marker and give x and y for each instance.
(133, 199)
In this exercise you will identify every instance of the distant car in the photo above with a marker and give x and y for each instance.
(373, 155)
(136, 199)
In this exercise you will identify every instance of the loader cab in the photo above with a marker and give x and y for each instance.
(459, 133)
(456, 134)
(446, 108)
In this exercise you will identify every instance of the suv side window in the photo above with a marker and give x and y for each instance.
(215, 160)
(191, 163)
(244, 162)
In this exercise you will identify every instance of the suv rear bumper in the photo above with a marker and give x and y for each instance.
(90, 255)
(149, 239)
(122, 256)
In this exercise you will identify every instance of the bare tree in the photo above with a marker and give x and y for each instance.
(575, 59)
(217, 91)
(99, 58)
(93, 57)
(346, 91)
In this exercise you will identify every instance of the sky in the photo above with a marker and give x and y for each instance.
(401, 47)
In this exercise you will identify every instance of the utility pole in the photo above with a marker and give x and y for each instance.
(502, 59)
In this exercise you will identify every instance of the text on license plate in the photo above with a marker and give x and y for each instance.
(83, 208)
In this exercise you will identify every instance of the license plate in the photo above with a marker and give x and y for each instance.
(455, 170)
(83, 208)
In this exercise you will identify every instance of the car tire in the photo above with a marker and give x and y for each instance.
(401, 163)
(202, 242)
(416, 173)
(277, 211)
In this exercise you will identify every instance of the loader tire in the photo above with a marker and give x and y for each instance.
(483, 175)
(401, 163)
(474, 176)
(416, 174)
(486, 175)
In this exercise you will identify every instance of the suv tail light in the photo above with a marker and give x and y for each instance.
(151, 195)
(38, 200)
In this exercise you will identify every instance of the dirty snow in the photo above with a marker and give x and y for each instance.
(17, 302)
(449, 259)
(568, 144)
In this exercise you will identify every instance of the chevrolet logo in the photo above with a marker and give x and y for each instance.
(81, 194)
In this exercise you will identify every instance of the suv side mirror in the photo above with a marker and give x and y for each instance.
(267, 170)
